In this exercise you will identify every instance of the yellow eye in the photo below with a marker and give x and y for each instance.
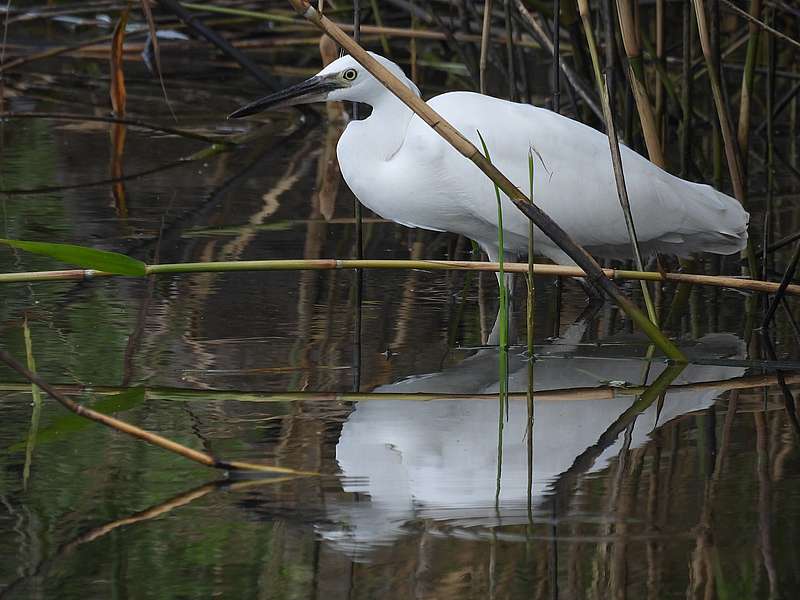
(350, 74)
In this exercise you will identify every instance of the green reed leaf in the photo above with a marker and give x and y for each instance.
(90, 258)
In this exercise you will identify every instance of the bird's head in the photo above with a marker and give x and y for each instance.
(342, 80)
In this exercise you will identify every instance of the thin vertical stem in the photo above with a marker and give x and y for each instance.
(556, 55)
(743, 135)
(501, 280)
(357, 205)
(530, 332)
(359, 274)
(686, 90)
(766, 256)
(630, 39)
(414, 73)
(485, 41)
(512, 71)
(660, 82)
(610, 49)
(583, 9)
(531, 288)
(379, 22)
(730, 143)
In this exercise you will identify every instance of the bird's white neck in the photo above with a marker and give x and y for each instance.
(380, 135)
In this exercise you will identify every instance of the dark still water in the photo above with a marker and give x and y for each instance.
(428, 487)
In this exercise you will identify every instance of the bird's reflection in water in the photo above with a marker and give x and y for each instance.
(406, 460)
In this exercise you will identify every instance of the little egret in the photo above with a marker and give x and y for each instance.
(399, 168)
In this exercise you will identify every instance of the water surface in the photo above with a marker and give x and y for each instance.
(429, 488)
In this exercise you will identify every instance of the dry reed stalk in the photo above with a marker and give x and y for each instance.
(147, 436)
(743, 135)
(731, 148)
(512, 67)
(325, 264)
(633, 49)
(485, 41)
(556, 55)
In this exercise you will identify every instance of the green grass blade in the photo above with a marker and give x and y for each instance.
(531, 288)
(503, 312)
(89, 258)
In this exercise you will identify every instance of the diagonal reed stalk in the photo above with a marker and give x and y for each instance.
(560, 237)
(622, 191)
(327, 264)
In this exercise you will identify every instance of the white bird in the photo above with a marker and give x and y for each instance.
(401, 169)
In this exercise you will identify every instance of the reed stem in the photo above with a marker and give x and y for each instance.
(743, 135)
(327, 264)
(485, 41)
(633, 49)
(622, 192)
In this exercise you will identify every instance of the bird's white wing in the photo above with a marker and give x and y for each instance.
(573, 180)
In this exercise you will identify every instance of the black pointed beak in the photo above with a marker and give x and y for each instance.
(315, 89)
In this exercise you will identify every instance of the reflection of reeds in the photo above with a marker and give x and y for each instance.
(37, 406)
(602, 392)
(136, 432)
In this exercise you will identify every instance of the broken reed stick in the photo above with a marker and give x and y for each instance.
(142, 434)
(327, 264)
(452, 136)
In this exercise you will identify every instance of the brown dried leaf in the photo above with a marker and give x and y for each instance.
(151, 26)
(118, 94)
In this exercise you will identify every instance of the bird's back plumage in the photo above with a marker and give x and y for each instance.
(403, 170)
